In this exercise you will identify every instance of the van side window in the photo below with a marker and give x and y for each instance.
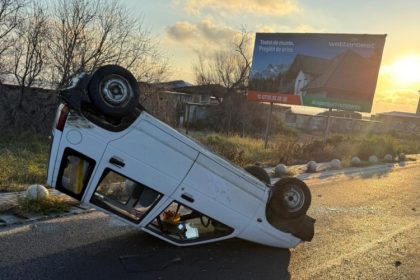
(74, 174)
(124, 197)
(183, 224)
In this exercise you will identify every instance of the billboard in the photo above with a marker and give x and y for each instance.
(336, 71)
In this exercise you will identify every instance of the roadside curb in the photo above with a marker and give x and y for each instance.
(350, 172)
(8, 218)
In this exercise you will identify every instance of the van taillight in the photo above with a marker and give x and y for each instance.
(62, 119)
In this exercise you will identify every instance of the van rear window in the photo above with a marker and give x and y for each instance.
(74, 174)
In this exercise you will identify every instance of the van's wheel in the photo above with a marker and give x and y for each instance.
(290, 198)
(259, 173)
(113, 90)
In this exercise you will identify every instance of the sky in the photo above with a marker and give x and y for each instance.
(187, 27)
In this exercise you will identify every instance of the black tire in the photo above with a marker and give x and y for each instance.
(290, 198)
(114, 91)
(259, 173)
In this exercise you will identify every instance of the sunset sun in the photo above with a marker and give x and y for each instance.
(406, 70)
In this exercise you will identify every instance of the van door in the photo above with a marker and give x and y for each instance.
(139, 172)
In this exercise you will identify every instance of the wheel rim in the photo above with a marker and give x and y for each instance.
(293, 198)
(115, 90)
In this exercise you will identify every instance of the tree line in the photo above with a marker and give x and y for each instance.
(51, 43)
(48, 42)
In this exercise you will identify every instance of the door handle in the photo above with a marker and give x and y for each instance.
(117, 162)
(187, 197)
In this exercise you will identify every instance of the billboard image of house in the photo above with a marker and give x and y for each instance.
(337, 71)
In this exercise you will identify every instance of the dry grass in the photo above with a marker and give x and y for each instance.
(52, 204)
(291, 150)
(23, 161)
(240, 150)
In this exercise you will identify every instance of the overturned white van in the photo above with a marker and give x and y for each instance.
(109, 152)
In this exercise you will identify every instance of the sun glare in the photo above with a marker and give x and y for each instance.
(406, 70)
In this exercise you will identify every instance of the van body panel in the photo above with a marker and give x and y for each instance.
(181, 170)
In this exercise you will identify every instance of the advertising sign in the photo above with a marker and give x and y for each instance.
(337, 71)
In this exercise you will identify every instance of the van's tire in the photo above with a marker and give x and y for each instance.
(259, 173)
(290, 198)
(114, 91)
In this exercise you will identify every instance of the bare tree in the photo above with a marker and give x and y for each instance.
(90, 33)
(29, 52)
(9, 19)
(229, 68)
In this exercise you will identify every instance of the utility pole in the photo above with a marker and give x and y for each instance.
(418, 105)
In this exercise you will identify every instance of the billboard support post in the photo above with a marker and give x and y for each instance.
(187, 124)
(327, 127)
(267, 129)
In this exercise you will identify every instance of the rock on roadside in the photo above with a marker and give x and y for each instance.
(37, 192)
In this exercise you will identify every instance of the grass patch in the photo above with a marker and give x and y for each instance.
(240, 150)
(12, 187)
(290, 173)
(52, 204)
(23, 161)
(292, 150)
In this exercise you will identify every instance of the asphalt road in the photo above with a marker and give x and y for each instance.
(367, 228)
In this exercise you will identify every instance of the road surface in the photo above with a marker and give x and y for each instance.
(367, 228)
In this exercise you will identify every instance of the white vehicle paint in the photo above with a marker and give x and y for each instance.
(161, 181)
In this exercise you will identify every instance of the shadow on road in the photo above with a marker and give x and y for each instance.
(139, 256)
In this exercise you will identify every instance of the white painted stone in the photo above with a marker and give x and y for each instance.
(280, 170)
(37, 192)
(335, 164)
(373, 159)
(311, 166)
(388, 158)
(355, 161)
(401, 157)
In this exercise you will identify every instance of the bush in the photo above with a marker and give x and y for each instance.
(376, 145)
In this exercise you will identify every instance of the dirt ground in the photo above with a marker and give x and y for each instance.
(367, 228)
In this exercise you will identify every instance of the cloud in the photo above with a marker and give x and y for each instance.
(214, 32)
(205, 31)
(259, 7)
(182, 31)
(396, 100)
(286, 28)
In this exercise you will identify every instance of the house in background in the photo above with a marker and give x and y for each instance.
(190, 102)
(203, 97)
(402, 122)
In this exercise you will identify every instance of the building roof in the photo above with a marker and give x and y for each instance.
(399, 115)
(212, 90)
(173, 84)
